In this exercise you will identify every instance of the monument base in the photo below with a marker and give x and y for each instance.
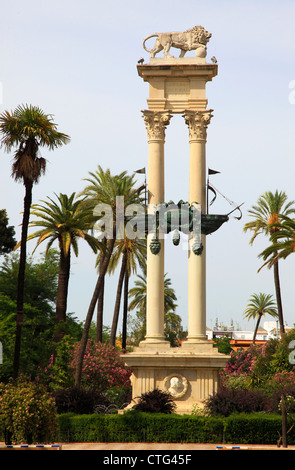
(190, 373)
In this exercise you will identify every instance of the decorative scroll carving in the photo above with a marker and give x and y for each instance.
(198, 122)
(156, 122)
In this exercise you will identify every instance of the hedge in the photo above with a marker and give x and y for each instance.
(139, 427)
(254, 428)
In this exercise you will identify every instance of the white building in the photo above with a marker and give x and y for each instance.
(269, 330)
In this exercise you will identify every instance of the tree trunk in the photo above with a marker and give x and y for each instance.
(118, 300)
(84, 339)
(62, 294)
(99, 318)
(284, 421)
(278, 295)
(256, 328)
(100, 301)
(125, 311)
(21, 277)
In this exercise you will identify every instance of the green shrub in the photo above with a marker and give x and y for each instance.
(242, 428)
(82, 428)
(227, 401)
(155, 401)
(255, 428)
(78, 400)
(265, 367)
(137, 426)
(27, 412)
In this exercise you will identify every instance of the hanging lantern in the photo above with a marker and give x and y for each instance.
(197, 247)
(155, 245)
(176, 238)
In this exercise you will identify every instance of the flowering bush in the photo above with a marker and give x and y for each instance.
(242, 362)
(57, 374)
(282, 379)
(265, 369)
(27, 412)
(103, 367)
(239, 368)
(265, 366)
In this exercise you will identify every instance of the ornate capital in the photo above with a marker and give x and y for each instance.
(156, 122)
(198, 122)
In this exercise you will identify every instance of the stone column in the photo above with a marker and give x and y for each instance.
(197, 122)
(156, 122)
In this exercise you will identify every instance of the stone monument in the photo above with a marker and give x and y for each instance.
(178, 85)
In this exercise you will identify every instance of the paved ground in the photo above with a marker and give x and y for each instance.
(151, 448)
(170, 447)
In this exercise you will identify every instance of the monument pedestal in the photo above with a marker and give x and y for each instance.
(190, 373)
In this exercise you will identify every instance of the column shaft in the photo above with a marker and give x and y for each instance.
(197, 122)
(155, 123)
(155, 263)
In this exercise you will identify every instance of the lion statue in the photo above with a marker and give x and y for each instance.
(192, 39)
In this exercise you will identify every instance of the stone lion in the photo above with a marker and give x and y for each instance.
(192, 39)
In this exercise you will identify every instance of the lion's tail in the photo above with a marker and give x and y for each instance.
(151, 36)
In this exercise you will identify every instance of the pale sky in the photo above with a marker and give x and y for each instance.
(77, 60)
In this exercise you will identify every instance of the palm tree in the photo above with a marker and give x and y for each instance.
(103, 188)
(133, 253)
(173, 329)
(138, 295)
(100, 300)
(64, 221)
(283, 241)
(267, 213)
(259, 305)
(27, 128)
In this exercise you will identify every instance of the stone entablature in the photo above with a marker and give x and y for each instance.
(177, 84)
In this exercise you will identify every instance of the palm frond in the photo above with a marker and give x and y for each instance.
(260, 304)
(65, 220)
(28, 128)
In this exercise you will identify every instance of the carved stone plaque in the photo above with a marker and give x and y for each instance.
(175, 89)
(176, 385)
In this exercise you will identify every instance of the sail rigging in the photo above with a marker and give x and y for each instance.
(214, 190)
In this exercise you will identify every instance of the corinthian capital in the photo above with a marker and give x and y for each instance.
(198, 122)
(156, 122)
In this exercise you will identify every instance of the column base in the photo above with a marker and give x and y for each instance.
(196, 339)
(198, 346)
(153, 344)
